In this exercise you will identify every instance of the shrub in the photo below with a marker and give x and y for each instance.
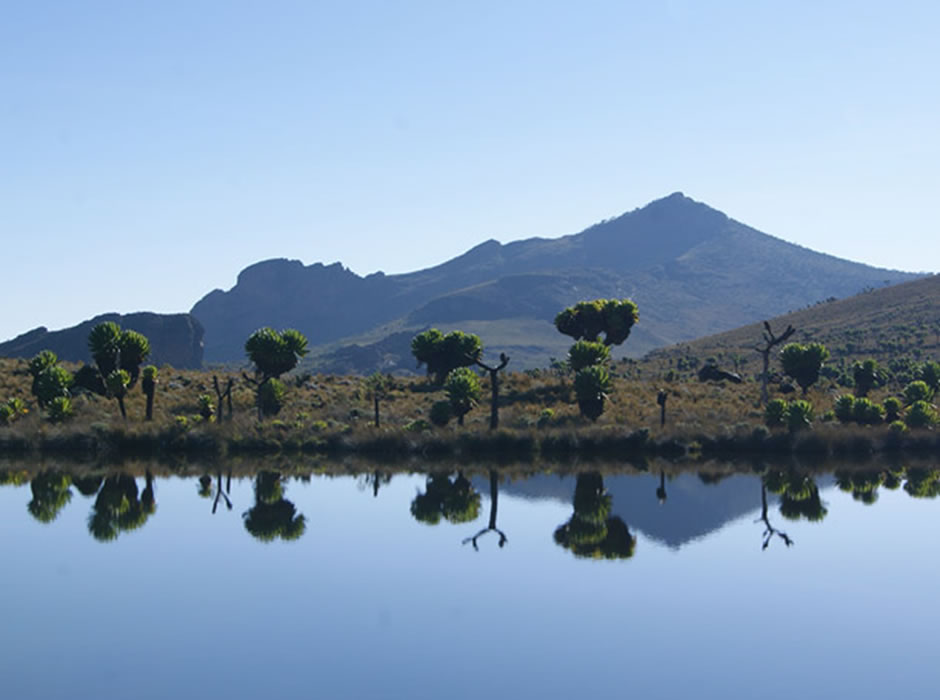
(545, 417)
(867, 413)
(897, 426)
(917, 391)
(776, 413)
(7, 415)
(206, 407)
(271, 397)
(845, 408)
(441, 413)
(799, 415)
(892, 408)
(60, 409)
(463, 391)
(920, 415)
(419, 425)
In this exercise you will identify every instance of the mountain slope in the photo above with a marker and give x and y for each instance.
(692, 270)
(175, 339)
(903, 319)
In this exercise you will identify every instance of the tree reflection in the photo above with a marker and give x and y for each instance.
(376, 480)
(799, 495)
(863, 485)
(50, 495)
(273, 516)
(494, 501)
(456, 501)
(661, 491)
(222, 493)
(922, 483)
(591, 532)
(769, 530)
(120, 507)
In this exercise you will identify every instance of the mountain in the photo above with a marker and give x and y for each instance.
(883, 323)
(175, 339)
(691, 269)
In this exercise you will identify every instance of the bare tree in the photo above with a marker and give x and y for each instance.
(770, 341)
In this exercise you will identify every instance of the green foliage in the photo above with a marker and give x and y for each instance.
(149, 380)
(775, 413)
(799, 415)
(274, 353)
(271, 396)
(585, 353)
(545, 417)
(463, 391)
(52, 383)
(441, 413)
(892, 408)
(866, 412)
(442, 354)
(113, 349)
(803, 362)
(867, 375)
(845, 408)
(117, 382)
(920, 414)
(60, 409)
(419, 425)
(591, 386)
(7, 414)
(42, 361)
(929, 373)
(206, 407)
(586, 320)
(917, 391)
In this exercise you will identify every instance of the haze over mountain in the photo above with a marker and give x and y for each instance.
(692, 270)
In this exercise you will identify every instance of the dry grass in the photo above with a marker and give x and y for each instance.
(325, 414)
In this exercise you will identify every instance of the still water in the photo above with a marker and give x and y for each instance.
(374, 587)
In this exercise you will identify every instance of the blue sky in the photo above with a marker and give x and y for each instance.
(150, 151)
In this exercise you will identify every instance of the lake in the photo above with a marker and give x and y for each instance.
(712, 585)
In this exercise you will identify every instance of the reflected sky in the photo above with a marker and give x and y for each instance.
(370, 602)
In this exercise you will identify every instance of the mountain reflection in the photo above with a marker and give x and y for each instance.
(591, 532)
(273, 516)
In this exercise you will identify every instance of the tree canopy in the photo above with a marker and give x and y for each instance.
(587, 320)
(442, 354)
(803, 362)
(273, 353)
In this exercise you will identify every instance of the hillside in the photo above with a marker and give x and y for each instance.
(692, 270)
(175, 339)
(901, 320)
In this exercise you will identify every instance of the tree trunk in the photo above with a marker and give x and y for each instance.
(150, 394)
(120, 400)
(376, 400)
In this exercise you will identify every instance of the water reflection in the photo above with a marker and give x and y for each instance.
(51, 493)
(591, 531)
(494, 502)
(120, 507)
(455, 500)
(273, 516)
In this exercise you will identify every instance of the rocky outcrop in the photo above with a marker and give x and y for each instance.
(175, 339)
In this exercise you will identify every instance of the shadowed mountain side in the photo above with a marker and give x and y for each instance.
(175, 339)
(691, 269)
(691, 511)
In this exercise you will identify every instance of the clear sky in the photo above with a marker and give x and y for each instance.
(151, 150)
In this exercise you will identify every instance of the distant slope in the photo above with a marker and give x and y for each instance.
(692, 270)
(899, 320)
(175, 339)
